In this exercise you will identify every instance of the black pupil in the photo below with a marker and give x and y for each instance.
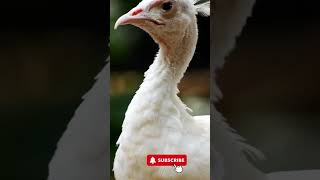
(167, 6)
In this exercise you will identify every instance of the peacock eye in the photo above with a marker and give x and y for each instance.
(167, 6)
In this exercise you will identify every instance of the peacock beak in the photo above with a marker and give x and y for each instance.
(135, 17)
(124, 19)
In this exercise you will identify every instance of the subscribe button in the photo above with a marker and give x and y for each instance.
(166, 160)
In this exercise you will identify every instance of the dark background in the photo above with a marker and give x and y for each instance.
(271, 84)
(50, 51)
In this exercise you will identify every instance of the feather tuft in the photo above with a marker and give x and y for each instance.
(202, 7)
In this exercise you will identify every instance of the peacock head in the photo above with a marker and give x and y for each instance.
(164, 20)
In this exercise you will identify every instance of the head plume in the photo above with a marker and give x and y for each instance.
(202, 7)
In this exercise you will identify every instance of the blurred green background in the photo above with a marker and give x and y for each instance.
(133, 51)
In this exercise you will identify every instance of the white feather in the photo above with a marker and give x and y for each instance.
(202, 8)
(158, 122)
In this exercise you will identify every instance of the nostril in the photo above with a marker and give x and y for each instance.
(137, 11)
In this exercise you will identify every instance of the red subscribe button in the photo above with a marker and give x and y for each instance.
(167, 160)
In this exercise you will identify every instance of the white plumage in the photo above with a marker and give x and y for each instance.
(82, 150)
(156, 121)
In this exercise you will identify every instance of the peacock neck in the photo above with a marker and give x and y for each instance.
(173, 58)
(156, 99)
